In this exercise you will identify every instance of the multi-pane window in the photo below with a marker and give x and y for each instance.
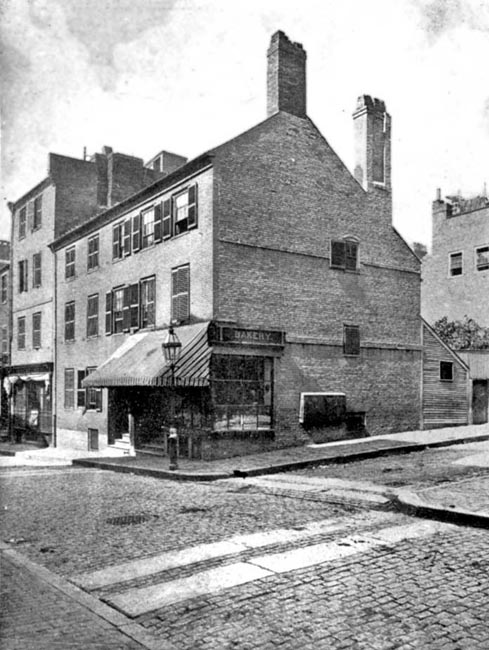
(482, 258)
(70, 260)
(21, 333)
(117, 310)
(455, 264)
(147, 302)
(242, 389)
(37, 215)
(93, 248)
(446, 370)
(180, 292)
(23, 275)
(94, 395)
(344, 255)
(22, 222)
(81, 392)
(92, 315)
(148, 228)
(70, 321)
(4, 340)
(69, 388)
(36, 270)
(185, 210)
(351, 340)
(117, 241)
(4, 288)
(36, 330)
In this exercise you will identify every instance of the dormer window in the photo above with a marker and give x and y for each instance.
(344, 254)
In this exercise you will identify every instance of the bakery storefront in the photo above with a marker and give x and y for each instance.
(222, 388)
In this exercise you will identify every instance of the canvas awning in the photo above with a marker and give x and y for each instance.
(139, 361)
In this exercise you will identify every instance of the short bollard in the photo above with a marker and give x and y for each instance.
(173, 448)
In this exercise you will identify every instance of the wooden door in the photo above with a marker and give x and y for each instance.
(480, 397)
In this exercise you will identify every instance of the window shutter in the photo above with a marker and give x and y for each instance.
(127, 238)
(26, 275)
(30, 215)
(192, 206)
(180, 293)
(166, 221)
(108, 312)
(126, 309)
(338, 254)
(134, 305)
(158, 223)
(136, 233)
(98, 399)
(116, 242)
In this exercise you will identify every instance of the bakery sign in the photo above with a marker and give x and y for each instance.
(241, 335)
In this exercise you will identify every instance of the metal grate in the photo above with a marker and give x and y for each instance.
(129, 520)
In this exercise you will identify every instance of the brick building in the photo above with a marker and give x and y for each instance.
(4, 326)
(72, 192)
(456, 279)
(296, 301)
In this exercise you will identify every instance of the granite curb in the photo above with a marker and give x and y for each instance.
(412, 504)
(274, 468)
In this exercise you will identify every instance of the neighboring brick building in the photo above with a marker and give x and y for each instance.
(456, 279)
(295, 299)
(72, 192)
(4, 326)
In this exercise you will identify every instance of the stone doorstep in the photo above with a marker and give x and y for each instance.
(138, 601)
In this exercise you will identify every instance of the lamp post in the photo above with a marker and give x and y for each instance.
(171, 350)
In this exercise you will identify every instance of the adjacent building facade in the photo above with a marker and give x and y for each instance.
(4, 327)
(456, 280)
(296, 301)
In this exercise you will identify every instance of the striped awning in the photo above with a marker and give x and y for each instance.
(139, 361)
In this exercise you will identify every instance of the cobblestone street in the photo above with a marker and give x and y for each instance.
(241, 564)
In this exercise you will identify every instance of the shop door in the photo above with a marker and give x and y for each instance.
(480, 397)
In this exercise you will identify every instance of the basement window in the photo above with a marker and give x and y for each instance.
(446, 370)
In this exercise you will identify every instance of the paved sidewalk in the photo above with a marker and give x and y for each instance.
(293, 457)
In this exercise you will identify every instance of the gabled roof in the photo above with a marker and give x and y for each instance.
(442, 343)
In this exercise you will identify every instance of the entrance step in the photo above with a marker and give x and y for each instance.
(123, 443)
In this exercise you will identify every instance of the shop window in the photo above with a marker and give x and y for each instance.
(93, 251)
(344, 255)
(4, 288)
(147, 302)
(37, 215)
(446, 370)
(70, 263)
(92, 315)
(70, 321)
(36, 270)
(180, 307)
(482, 258)
(185, 210)
(21, 333)
(36, 330)
(351, 340)
(22, 222)
(455, 264)
(69, 395)
(242, 392)
(23, 276)
(117, 310)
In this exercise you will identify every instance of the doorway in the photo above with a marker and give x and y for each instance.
(480, 398)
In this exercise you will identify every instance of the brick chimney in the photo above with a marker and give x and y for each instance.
(372, 143)
(286, 76)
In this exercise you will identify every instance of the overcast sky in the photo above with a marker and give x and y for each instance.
(185, 75)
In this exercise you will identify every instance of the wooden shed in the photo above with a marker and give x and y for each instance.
(446, 389)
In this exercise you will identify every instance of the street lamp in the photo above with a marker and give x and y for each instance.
(172, 347)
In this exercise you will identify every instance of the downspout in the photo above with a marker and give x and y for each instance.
(55, 352)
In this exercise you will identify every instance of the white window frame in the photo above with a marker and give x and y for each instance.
(484, 247)
(450, 268)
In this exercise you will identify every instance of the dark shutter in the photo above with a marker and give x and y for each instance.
(116, 242)
(98, 399)
(180, 294)
(338, 254)
(126, 245)
(352, 340)
(108, 312)
(166, 221)
(158, 222)
(134, 305)
(136, 233)
(126, 309)
(81, 392)
(192, 206)
(30, 215)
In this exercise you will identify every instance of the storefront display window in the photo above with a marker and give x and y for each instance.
(242, 392)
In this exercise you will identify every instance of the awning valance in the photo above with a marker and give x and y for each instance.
(139, 361)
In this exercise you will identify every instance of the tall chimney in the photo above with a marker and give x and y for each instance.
(372, 143)
(286, 76)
